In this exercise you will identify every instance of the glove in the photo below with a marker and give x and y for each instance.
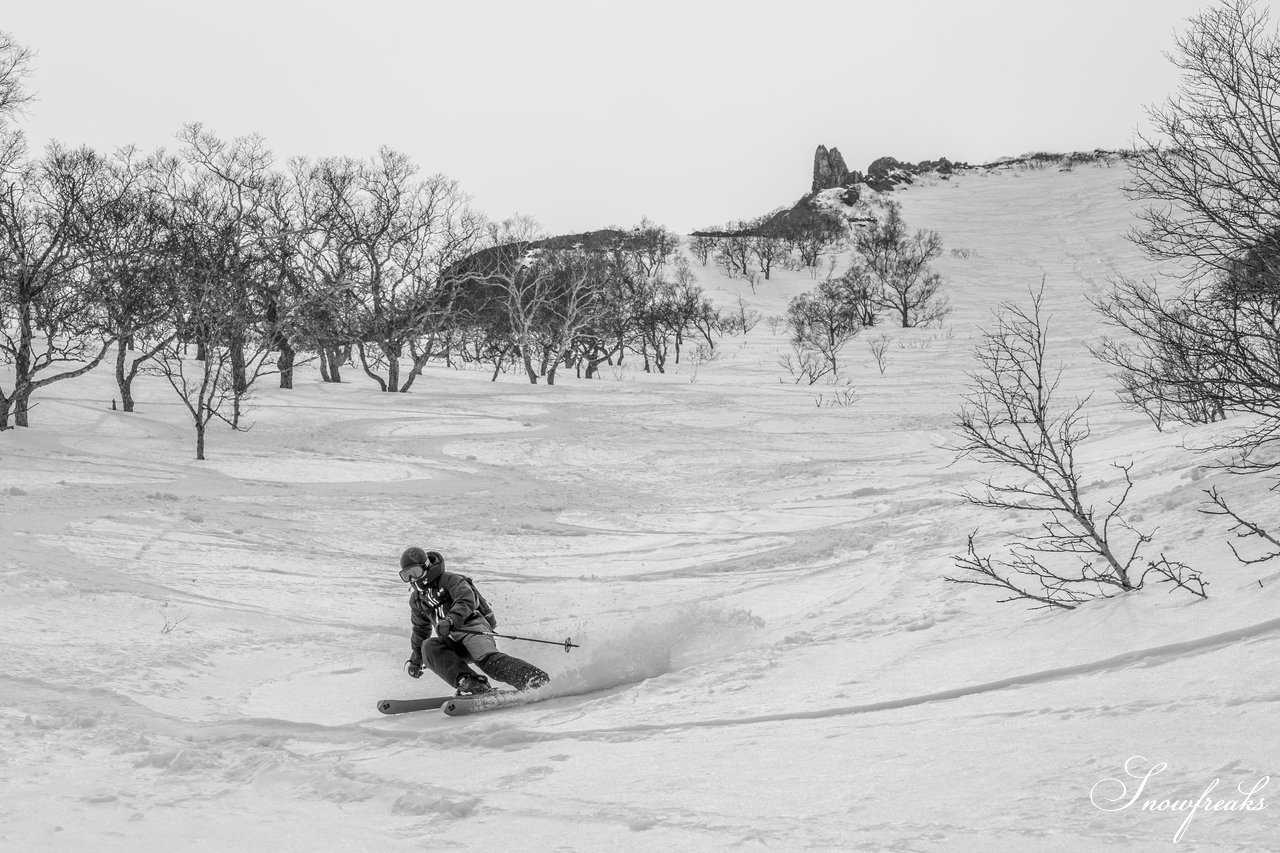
(444, 627)
(413, 667)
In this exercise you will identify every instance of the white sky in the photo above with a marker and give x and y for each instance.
(588, 114)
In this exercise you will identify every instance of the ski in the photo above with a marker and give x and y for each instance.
(458, 706)
(404, 706)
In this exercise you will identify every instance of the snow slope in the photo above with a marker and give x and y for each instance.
(771, 659)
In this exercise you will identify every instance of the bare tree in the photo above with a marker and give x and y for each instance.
(574, 306)
(327, 266)
(548, 298)
(287, 297)
(691, 311)
(858, 289)
(652, 247)
(811, 234)
(1209, 168)
(1193, 357)
(707, 320)
(740, 319)
(821, 323)
(879, 347)
(126, 272)
(701, 246)
(49, 328)
(733, 250)
(806, 364)
(1012, 420)
(899, 260)
(387, 239)
(576, 303)
(15, 69)
(1209, 172)
(1207, 345)
(528, 288)
(236, 182)
(204, 269)
(205, 385)
(767, 249)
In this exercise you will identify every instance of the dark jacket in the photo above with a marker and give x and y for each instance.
(447, 595)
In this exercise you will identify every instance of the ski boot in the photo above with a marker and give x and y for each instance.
(519, 674)
(471, 684)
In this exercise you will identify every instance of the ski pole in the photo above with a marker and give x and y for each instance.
(568, 641)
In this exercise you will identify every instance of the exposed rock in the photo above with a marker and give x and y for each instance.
(851, 195)
(829, 169)
(888, 172)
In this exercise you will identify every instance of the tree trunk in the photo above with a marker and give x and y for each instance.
(21, 405)
(338, 357)
(598, 355)
(393, 367)
(528, 365)
(22, 365)
(497, 364)
(239, 368)
(285, 365)
(124, 379)
(5, 404)
(199, 440)
(368, 370)
(331, 360)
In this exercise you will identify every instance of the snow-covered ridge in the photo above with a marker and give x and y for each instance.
(861, 197)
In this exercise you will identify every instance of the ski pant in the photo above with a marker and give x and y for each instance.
(450, 660)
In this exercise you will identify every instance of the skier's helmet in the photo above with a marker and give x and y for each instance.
(419, 567)
(414, 556)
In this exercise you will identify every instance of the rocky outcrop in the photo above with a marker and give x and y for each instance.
(829, 169)
(888, 172)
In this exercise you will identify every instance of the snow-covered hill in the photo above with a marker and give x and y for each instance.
(192, 651)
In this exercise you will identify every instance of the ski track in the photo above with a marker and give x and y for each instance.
(1153, 656)
(38, 693)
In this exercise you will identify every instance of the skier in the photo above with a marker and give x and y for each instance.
(447, 602)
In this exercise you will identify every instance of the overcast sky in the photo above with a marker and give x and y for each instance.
(587, 114)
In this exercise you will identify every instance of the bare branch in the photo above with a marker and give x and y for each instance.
(1242, 528)
(1013, 420)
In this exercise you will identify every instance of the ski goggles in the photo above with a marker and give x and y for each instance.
(413, 573)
